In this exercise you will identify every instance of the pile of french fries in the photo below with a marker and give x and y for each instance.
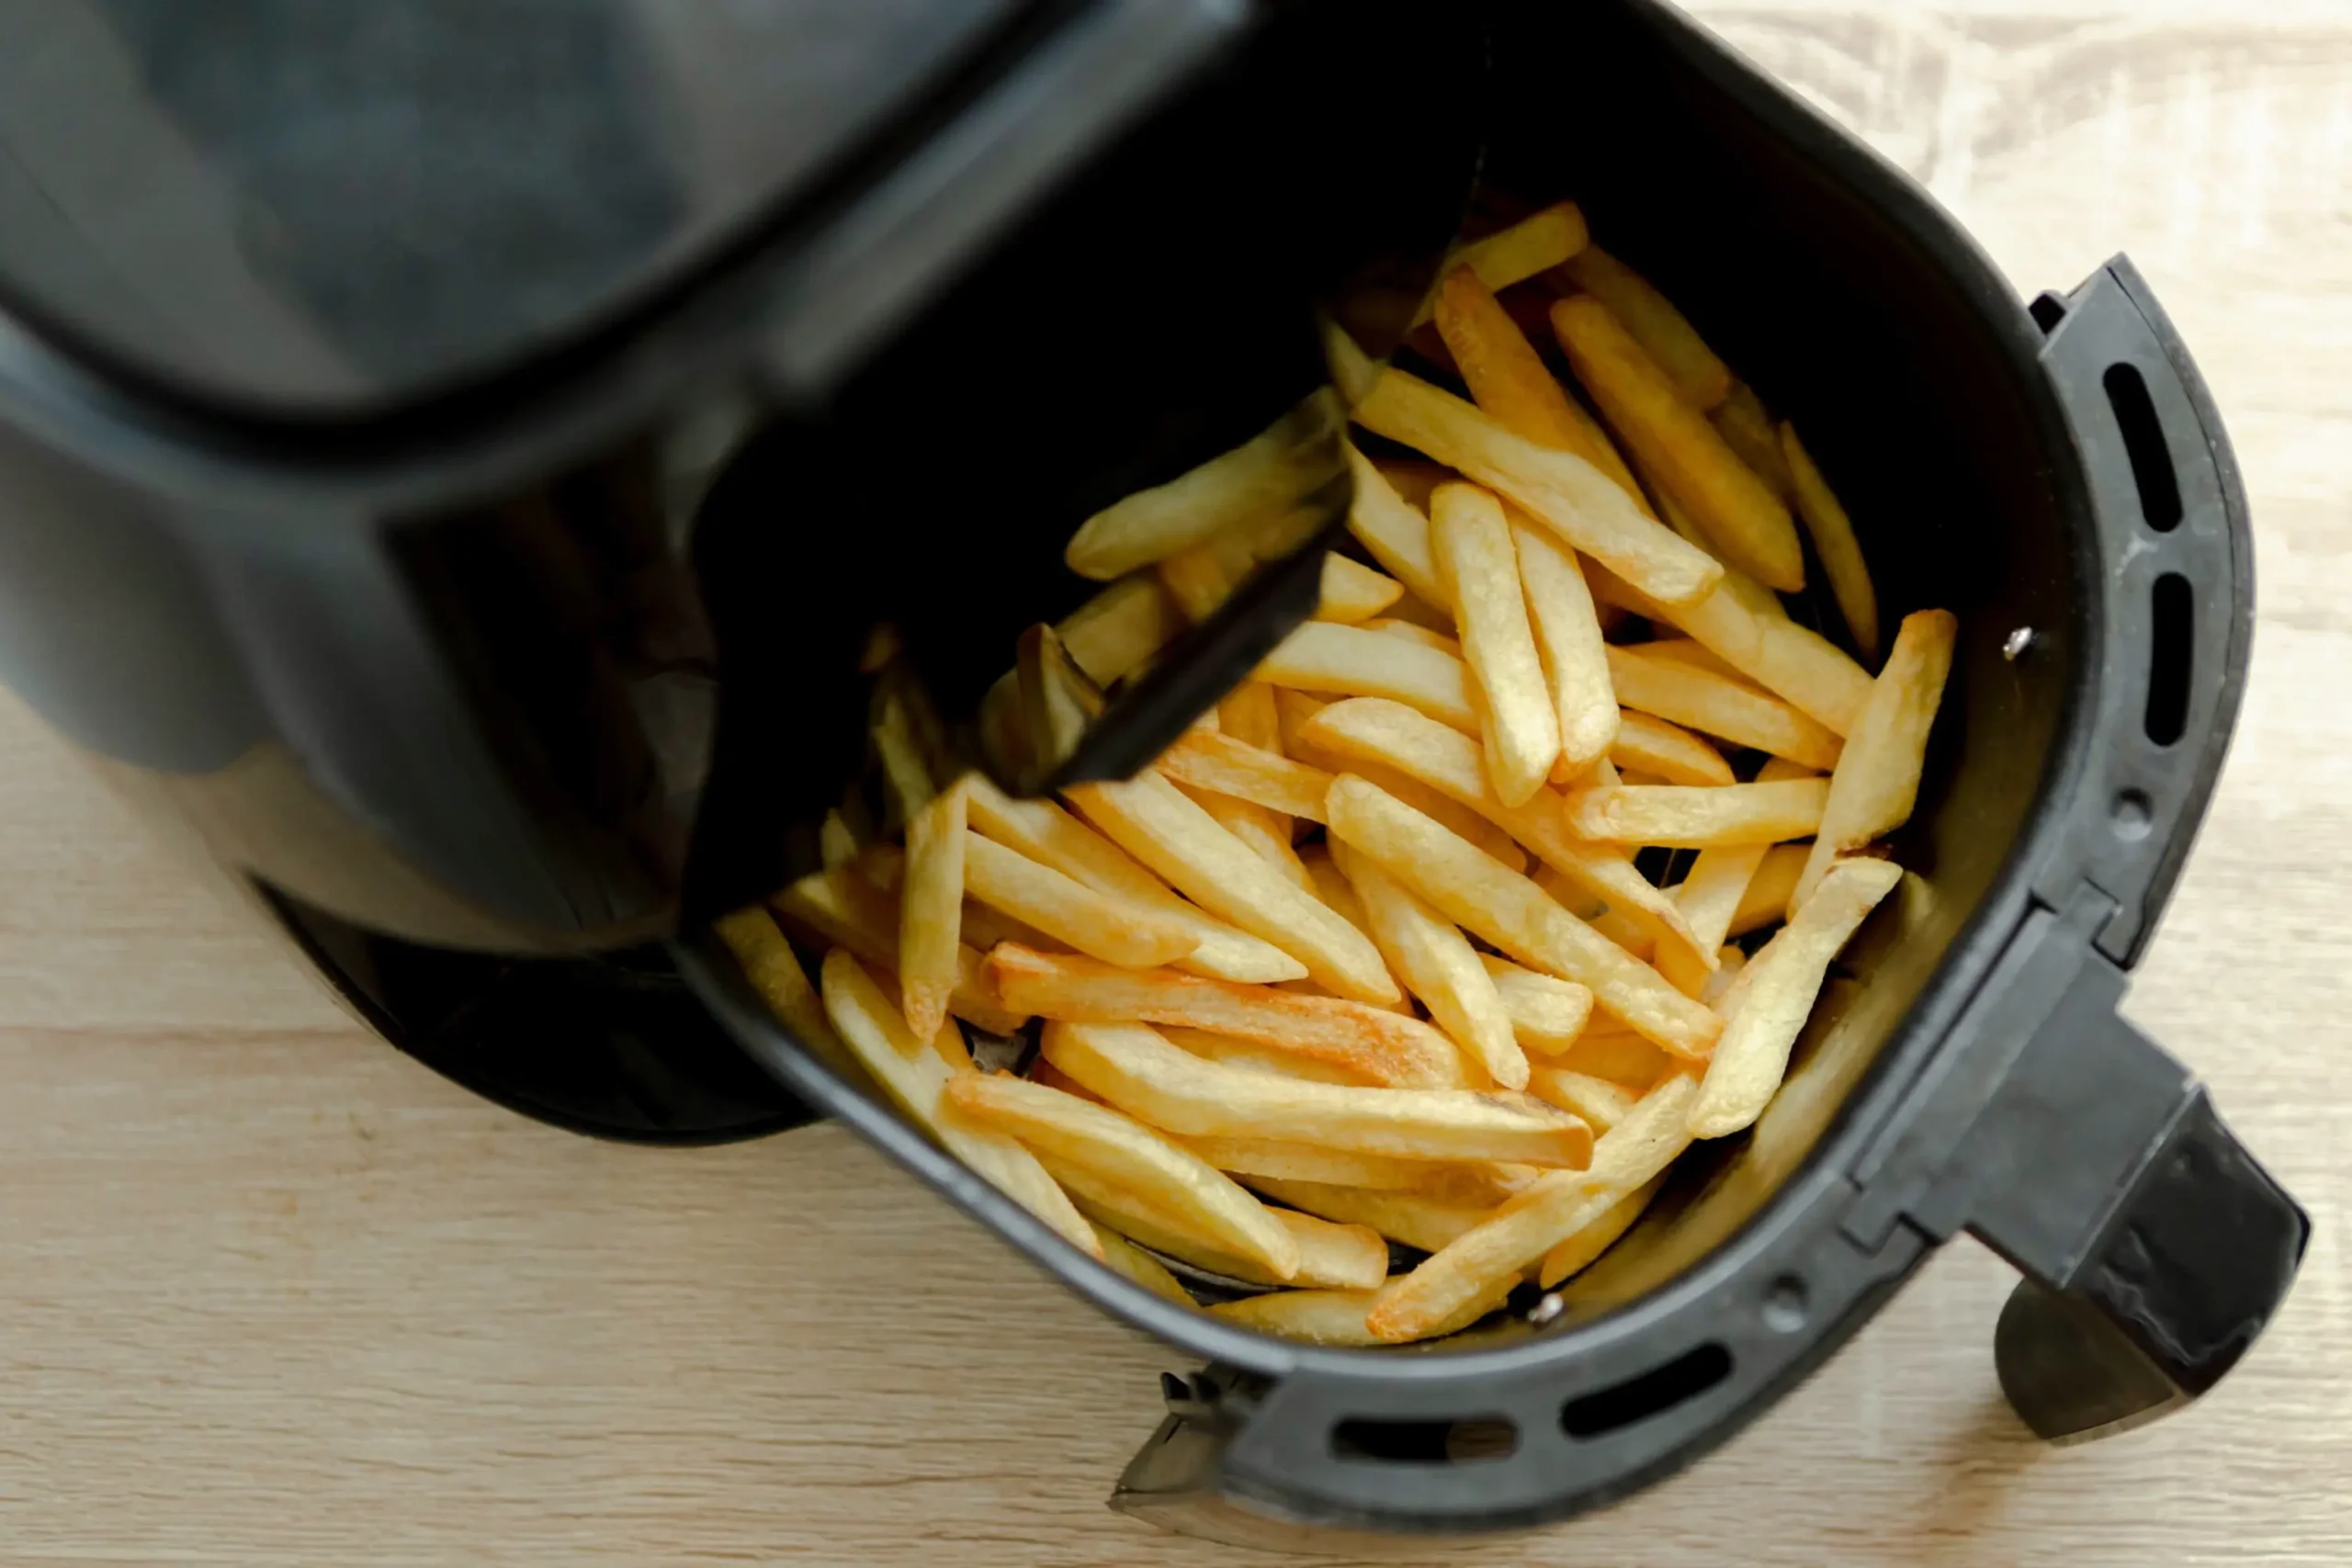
(1367, 957)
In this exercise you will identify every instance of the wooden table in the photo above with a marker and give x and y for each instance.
(272, 1294)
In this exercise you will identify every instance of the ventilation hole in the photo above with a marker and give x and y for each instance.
(1467, 1441)
(1660, 1389)
(2172, 638)
(2048, 311)
(2143, 442)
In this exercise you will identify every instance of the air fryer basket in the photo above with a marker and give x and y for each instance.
(2058, 477)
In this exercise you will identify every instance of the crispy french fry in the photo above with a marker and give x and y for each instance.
(1334, 889)
(1273, 1158)
(1113, 633)
(1546, 1013)
(1766, 901)
(1329, 1257)
(1202, 578)
(774, 972)
(1354, 661)
(1124, 1257)
(1268, 473)
(1438, 964)
(1428, 636)
(1265, 833)
(1047, 834)
(1386, 1047)
(930, 909)
(1567, 638)
(984, 928)
(1530, 1225)
(842, 909)
(1877, 781)
(1413, 478)
(1696, 373)
(1134, 1069)
(1003, 728)
(1152, 820)
(1601, 1102)
(1120, 1149)
(1708, 702)
(1686, 816)
(1389, 736)
(1413, 1218)
(1730, 962)
(1044, 1072)
(1253, 1055)
(1310, 1317)
(1515, 915)
(1560, 489)
(1536, 243)
(1103, 925)
(1224, 765)
(1578, 1251)
(1668, 751)
(1056, 704)
(1767, 1006)
(1746, 427)
(1709, 895)
(1248, 714)
(1618, 1055)
(1352, 592)
(1392, 528)
(1691, 652)
(1479, 566)
(1611, 923)
(916, 1076)
(1742, 624)
(1834, 542)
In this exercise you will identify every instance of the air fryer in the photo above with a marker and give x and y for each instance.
(474, 536)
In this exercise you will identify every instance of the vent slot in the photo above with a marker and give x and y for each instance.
(1657, 1390)
(2172, 646)
(2143, 442)
(1470, 1440)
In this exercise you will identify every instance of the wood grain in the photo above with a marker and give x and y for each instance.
(271, 1294)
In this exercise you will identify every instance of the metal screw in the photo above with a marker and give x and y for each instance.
(1544, 1311)
(2017, 642)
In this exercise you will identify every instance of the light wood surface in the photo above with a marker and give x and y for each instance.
(271, 1294)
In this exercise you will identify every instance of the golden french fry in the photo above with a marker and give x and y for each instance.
(931, 909)
(1151, 820)
(1222, 764)
(1546, 1013)
(1235, 1052)
(1123, 1256)
(1044, 1072)
(1113, 633)
(1767, 1006)
(1134, 1069)
(1746, 427)
(1579, 1250)
(1694, 817)
(1003, 728)
(1438, 964)
(774, 971)
(1691, 652)
(1877, 781)
(1355, 661)
(1271, 472)
(1766, 901)
(1706, 702)
(1603, 1102)
(1731, 961)
(1248, 714)
(1689, 363)
(1386, 1047)
(1743, 624)
(1618, 1055)
(1120, 1149)
(1334, 889)
(837, 844)
(1515, 915)
(1536, 243)
(1531, 1224)
(1390, 737)
(1428, 636)
(1413, 478)
(1834, 542)
(1202, 578)
(1392, 528)
(1275, 1159)
(1611, 923)
(1329, 1257)
(1047, 834)
(916, 1076)
(1711, 891)
(1352, 592)
(1560, 489)
(1056, 702)
(1567, 638)
(842, 909)
(905, 775)
(984, 928)
(1265, 833)
(1413, 1218)
(1103, 925)
(1310, 1317)
(1668, 751)
(1480, 568)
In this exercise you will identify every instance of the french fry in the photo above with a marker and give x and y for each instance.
(1248, 714)
(1056, 702)
(1834, 542)
(1386, 1047)
(1357, 663)
(1393, 737)
(1611, 923)
(1103, 925)
(1877, 781)
(774, 971)
(1438, 964)
(1766, 901)
(842, 909)
(1113, 633)
(1003, 726)
(1123, 1256)
(1701, 378)
(1153, 821)
(1711, 891)
(1202, 578)
(1392, 528)
(1578, 1251)
(1746, 427)
(1047, 834)
(1670, 751)
(1535, 244)
(1546, 1013)
(1691, 651)
(1428, 636)
(1767, 1005)
(1684, 817)
(1705, 702)
(1274, 1159)
(1264, 833)
(1560, 489)
(1309, 1317)
(1224, 765)
(1743, 624)
(1414, 478)
(930, 909)
(1513, 914)
(1329, 1257)
(1603, 1102)
(906, 776)
(1352, 592)
(837, 844)
(1134, 1069)
(1618, 1055)
(1730, 962)
(1413, 1218)
(916, 1076)
(984, 928)
(1170, 1179)
(1530, 1225)
(1044, 1072)
(1567, 638)
(1254, 1056)
(1480, 568)
(1270, 472)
